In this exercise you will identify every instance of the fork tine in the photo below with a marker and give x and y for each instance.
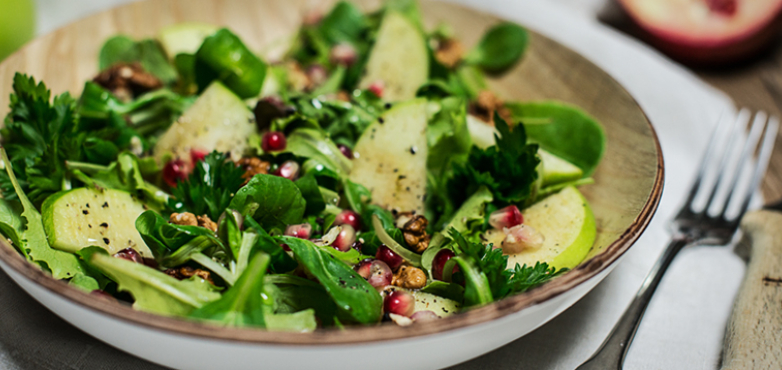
(758, 124)
(722, 125)
(764, 156)
(736, 132)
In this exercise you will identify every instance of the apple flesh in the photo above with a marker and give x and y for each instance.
(568, 226)
(707, 32)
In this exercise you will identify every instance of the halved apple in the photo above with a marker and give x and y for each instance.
(568, 225)
(707, 31)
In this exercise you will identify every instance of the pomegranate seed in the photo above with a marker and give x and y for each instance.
(273, 141)
(197, 155)
(288, 170)
(399, 302)
(285, 247)
(388, 256)
(363, 268)
(150, 262)
(358, 246)
(344, 54)
(129, 254)
(301, 231)
(506, 217)
(377, 88)
(345, 238)
(175, 170)
(380, 275)
(424, 315)
(521, 237)
(347, 152)
(438, 264)
(317, 75)
(724, 7)
(348, 217)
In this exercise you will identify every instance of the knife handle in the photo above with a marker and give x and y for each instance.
(753, 339)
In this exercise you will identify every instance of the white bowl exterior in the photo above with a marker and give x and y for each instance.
(191, 352)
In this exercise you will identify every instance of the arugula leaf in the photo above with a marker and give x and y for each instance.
(33, 238)
(500, 48)
(569, 132)
(311, 193)
(356, 300)
(447, 135)
(293, 294)
(152, 290)
(147, 52)
(314, 144)
(123, 174)
(209, 188)
(164, 238)
(272, 201)
(507, 169)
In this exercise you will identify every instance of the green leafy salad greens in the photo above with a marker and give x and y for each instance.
(366, 176)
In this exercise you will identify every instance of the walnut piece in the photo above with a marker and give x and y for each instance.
(186, 272)
(409, 277)
(127, 80)
(415, 234)
(253, 166)
(449, 52)
(205, 221)
(485, 106)
(185, 219)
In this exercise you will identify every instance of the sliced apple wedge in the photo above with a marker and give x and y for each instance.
(568, 225)
(390, 157)
(399, 60)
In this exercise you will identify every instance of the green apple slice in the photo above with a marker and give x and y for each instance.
(390, 157)
(85, 217)
(184, 38)
(557, 170)
(399, 59)
(441, 306)
(568, 225)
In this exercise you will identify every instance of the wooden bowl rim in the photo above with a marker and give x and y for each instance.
(358, 334)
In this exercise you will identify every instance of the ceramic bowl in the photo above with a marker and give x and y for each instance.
(627, 189)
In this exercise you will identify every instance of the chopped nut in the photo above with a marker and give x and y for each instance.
(205, 221)
(186, 219)
(186, 272)
(253, 166)
(449, 52)
(415, 234)
(127, 80)
(297, 79)
(409, 277)
(485, 106)
(402, 218)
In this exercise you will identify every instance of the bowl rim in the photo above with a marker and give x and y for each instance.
(359, 334)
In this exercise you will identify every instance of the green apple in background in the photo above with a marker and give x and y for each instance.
(17, 25)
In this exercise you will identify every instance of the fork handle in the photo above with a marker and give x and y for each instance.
(753, 339)
(611, 353)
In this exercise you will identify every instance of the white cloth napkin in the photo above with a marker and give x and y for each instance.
(684, 325)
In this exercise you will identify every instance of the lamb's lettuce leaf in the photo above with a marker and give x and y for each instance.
(272, 201)
(147, 52)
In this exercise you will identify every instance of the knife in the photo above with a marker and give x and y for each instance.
(753, 339)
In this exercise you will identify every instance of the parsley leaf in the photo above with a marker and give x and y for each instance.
(210, 188)
(503, 281)
(507, 169)
(38, 137)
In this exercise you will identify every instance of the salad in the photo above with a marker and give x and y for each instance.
(367, 175)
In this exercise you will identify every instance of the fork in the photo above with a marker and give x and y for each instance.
(711, 225)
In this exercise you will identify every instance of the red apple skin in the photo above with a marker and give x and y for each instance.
(711, 51)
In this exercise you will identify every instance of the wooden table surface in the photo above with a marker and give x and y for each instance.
(755, 84)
